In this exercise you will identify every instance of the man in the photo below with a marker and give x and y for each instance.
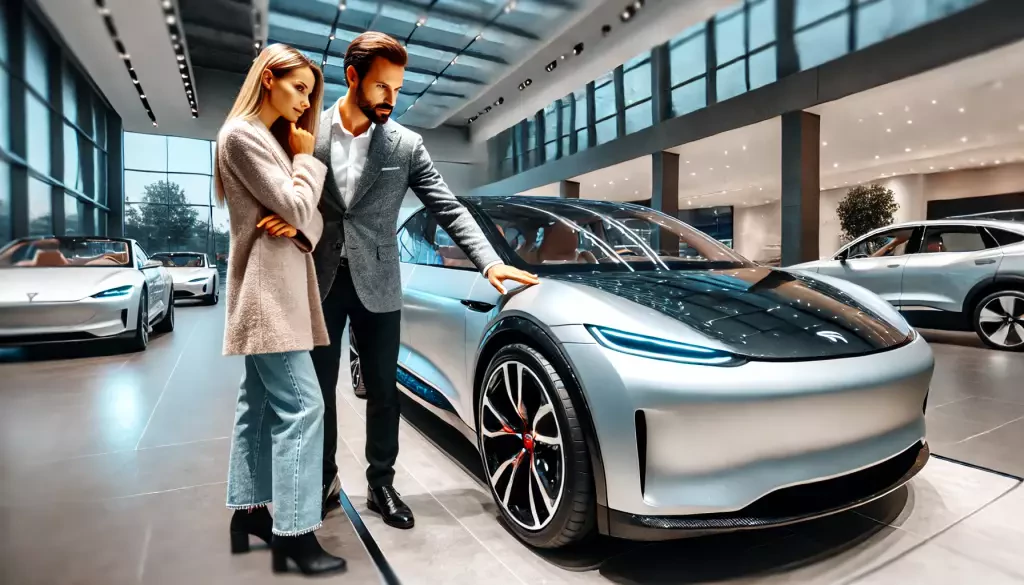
(372, 162)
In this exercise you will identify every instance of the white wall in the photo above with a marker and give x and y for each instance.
(757, 231)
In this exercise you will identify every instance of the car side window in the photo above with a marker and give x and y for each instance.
(140, 256)
(416, 241)
(889, 243)
(1004, 238)
(952, 238)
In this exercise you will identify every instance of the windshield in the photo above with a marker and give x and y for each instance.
(581, 235)
(65, 252)
(179, 260)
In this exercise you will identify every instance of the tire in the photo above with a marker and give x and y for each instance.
(545, 521)
(214, 297)
(166, 325)
(355, 367)
(998, 320)
(140, 341)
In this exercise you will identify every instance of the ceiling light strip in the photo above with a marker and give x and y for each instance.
(507, 9)
(421, 21)
(342, 6)
(108, 21)
(173, 19)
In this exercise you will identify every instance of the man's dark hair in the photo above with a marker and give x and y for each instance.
(370, 45)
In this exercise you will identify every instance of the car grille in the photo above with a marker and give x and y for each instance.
(45, 315)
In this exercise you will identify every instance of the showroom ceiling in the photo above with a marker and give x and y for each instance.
(456, 47)
(965, 115)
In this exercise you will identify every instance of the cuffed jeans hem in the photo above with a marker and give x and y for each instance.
(231, 506)
(315, 527)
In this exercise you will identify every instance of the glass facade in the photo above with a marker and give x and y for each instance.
(169, 201)
(53, 128)
(736, 51)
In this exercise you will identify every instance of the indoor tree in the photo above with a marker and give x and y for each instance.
(866, 208)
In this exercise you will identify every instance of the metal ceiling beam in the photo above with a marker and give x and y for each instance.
(465, 17)
(418, 70)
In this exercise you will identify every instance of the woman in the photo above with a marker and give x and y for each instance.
(265, 168)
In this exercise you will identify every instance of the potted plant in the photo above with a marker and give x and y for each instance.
(866, 208)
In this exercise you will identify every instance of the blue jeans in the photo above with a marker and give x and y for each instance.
(278, 441)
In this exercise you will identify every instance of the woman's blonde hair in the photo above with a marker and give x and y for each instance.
(280, 60)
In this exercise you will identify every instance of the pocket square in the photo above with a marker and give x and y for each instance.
(389, 169)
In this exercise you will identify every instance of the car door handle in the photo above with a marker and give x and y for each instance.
(982, 261)
(893, 265)
(478, 306)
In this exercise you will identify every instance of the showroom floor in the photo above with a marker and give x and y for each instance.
(112, 471)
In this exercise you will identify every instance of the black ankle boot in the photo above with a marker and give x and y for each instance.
(256, 522)
(305, 551)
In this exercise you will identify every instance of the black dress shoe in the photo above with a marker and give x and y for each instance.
(304, 551)
(386, 501)
(256, 522)
(332, 499)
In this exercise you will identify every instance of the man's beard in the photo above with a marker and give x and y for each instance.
(370, 109)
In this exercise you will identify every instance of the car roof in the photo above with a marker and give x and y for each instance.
(994, 223)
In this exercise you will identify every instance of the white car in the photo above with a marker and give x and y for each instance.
(59, 289)
(194, 277)
(953, 274)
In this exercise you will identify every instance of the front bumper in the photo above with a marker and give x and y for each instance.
(84, 320)
(684, 440)
(188, 290)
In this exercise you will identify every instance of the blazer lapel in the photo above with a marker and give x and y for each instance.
(382, 144)
(322, 152)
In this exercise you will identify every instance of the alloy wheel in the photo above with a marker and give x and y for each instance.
(522, 445)
(144, 320)
(353, 362)
(1001, 321)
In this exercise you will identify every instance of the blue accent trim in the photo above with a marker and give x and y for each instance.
(425, 391)
(660, 349)
(114, 292)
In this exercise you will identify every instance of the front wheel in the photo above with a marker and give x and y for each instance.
(533, 450)
(999, 320)
(355, 368)
(140, 341)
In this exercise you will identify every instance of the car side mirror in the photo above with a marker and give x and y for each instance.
(152, 264)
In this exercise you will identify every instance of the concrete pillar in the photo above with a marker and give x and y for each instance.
(569, 190)
(801, 159)
(665, 197)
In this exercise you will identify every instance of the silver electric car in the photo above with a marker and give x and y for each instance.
(655, 385)
(953, 274)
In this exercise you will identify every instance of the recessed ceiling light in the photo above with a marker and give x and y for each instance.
(1022, 127)
(999, 162)
(907, 149)
(935, 102)
(963, 139)
(910, 121)
(693, 174)
(824, 143)
(835, 165)
(906, 108)
(877, 157)
(861, 120)
(962, 110)
(888, 129)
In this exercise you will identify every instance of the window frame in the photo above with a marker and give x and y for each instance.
(913, 244)
(977, 228)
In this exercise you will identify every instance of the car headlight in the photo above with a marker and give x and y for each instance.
(195, 280)
(114, 292)
(662, 349)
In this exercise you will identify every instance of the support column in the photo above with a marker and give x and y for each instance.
(801, 186)
(569, 190)
(665, 198)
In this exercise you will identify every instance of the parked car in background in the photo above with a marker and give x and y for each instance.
(953, 274)
(194, 276)
(59, 289)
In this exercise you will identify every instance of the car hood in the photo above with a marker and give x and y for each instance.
(56, 285)
(185, 274)
(759, 313)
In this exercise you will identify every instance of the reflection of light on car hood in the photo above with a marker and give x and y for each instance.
(57, 285)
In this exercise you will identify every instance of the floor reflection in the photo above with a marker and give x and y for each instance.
(755, 555)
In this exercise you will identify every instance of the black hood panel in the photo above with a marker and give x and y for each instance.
(761, 313)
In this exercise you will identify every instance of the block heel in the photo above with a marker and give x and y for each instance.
(239, 542)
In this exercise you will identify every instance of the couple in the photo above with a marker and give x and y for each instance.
(314, 200)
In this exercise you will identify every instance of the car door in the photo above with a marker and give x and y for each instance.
(154, 282)
(437, 282)
(875, 261)
(951, 260)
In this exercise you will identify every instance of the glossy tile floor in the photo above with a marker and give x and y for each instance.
(113, 467)
(112, 471)
(976, 408)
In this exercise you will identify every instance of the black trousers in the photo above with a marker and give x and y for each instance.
(377, 337)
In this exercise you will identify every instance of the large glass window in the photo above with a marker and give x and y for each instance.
(57, 149)
(40, 208)
(169, 196)
(582, 131)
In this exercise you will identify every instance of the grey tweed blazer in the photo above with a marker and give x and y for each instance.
(396, 162)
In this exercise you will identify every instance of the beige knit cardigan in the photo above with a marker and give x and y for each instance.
(273, 304)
